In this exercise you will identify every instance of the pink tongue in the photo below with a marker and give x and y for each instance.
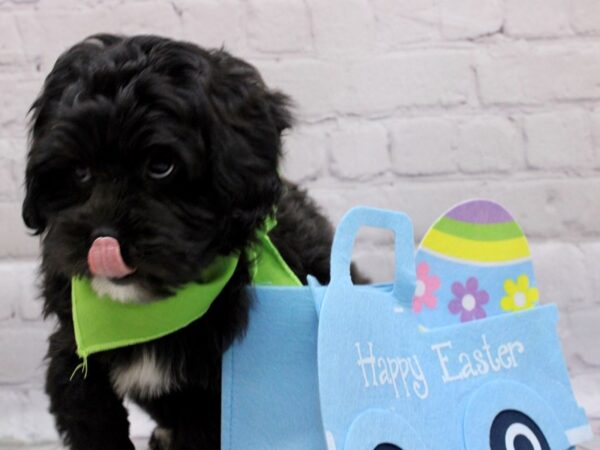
(105, 260)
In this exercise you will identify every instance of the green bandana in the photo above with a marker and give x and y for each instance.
(102, 323)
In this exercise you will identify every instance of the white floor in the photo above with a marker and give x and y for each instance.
(139, 445)
(142, 445)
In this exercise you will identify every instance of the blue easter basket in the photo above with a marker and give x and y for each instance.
(345, 367)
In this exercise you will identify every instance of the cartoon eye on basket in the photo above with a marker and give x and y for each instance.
(509, 415)
(513, 430)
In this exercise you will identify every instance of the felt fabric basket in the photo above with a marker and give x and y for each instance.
(345, 367)
(270, 393)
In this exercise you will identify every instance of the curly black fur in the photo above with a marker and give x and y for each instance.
(109, 106)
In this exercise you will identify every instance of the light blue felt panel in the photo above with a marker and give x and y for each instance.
(270, 388)
(375, 355)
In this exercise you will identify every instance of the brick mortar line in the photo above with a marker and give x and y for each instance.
(408, 180)
(456, 112)
(444, 46)
(489, 43)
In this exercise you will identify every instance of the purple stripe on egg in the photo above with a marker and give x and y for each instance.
(480, 211)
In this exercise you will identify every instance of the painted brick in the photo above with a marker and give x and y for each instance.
(213, 23)
(587, 392)
(9, 34)
(54, 5)
(559, 140)
(550, 208)
(12, 57)
(591, 252)
(354, 35)
(537, 18)
(8, 184)
(376, 264)
(416, 78)
(48, 33)
(305, 151)
(423, 202)
(11, 224)
(596, 137)
(275, 26)
(18, 282)
(546, 209)
(561, 274)
(337, 200)
(359, 150)
(12, 168)
(582, 343)
(436, 138)
(313, 85)
(586, 16)
(520, 73)
(405, 21)
(24, 417)
(25, 292)
(22, 351)
(141, 17)
(489, 144)
(8, 307)
(470, 18)
(17, 96)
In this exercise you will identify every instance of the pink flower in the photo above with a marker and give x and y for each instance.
(468, 300)
(425, 288)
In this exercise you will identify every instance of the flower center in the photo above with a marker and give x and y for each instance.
(520, 299)
(420, 289)
(468, 302)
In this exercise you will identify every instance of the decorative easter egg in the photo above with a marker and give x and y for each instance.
(479, 231)
(473, 262)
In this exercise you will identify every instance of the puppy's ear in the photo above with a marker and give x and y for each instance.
(239, 92)
(31, 213)
(279, 105)
(245, 141)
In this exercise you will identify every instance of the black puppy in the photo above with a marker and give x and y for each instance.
(171, 153)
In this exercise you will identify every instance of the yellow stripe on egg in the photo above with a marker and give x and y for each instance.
(478, 251)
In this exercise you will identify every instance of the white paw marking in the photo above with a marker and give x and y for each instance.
(145, 376)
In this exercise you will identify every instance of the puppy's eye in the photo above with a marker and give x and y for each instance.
(83, 174)
(160, 167)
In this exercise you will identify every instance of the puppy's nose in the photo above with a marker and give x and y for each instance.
(104, 232)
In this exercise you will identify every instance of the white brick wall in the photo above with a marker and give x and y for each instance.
(406, 104)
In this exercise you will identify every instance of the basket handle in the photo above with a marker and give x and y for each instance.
(343, 243)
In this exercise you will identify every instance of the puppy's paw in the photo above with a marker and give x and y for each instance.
(160, 439)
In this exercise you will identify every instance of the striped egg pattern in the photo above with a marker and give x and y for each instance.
(473, 263)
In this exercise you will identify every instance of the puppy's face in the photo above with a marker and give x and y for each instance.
(148, 158)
